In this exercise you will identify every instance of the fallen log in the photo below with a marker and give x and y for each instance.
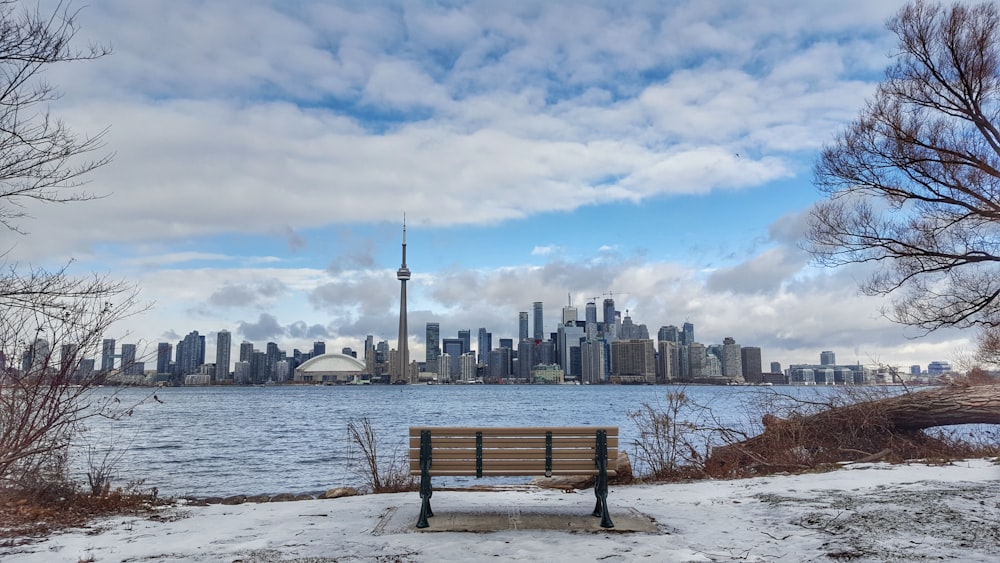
(889, 427)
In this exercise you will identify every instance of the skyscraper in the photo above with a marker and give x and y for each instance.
(402, 348)
(128, 359)
(223, 348)
(432, 344)
(522, 325)
(687, 334)
(539, 323)
(466, 337)
(454, 348)
(163, 352)
(485, 344)
(827, 358)
(610, 326)
(108, 354)
(751, 364)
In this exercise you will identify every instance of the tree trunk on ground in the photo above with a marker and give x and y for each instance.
(890, 427)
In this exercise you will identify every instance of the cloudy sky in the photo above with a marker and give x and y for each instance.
(265, 154)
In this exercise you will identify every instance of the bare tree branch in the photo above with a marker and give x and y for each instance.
(913, 184)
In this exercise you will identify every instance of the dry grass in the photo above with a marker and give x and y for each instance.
(25, 517)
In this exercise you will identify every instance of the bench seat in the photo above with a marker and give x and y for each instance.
(513, 451)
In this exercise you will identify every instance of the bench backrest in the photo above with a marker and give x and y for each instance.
(499, 451)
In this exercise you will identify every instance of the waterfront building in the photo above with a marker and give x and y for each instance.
(668, 362)
(547, 373)
(731, 360)
(697, 356)
(713, 366)
(525, 359)
(454, 348)
(468, 367)
(592, 362)
(938, 368)
(164, 351)
(569, 337)
(828, 374)
(330, 368)
(129, 366)
(444, 367)
(190, 353)
(751, 364)
(68, 358)
(632, 361)
(108, 354)
(500, 363)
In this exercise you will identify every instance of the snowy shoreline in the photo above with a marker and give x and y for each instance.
(863, 512)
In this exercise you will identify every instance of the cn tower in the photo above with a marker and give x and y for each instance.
(403, 352)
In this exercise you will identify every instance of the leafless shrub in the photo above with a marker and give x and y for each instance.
(382, 473)
(676, 437)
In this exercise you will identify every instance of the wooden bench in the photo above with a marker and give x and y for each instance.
(489, 451)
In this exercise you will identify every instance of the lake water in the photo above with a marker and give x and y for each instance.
(219, 441)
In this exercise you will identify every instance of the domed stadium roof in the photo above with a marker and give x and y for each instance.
(332, 363)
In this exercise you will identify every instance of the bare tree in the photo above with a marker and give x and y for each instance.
(49, 319)
(913, 184)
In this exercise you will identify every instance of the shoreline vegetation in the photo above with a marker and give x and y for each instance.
(676, 443)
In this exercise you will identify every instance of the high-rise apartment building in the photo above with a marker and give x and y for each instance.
(190, 353)
(827, 358)
(454, 347)
(732, 360)
(750, 359)
(697, 357)
(108, 354)
(539, 321)
(485, 344)
(223, 349)
(668, 367)
(246, 351)
(775, 367)
(633, 361)
(128, 359)
(164, 351)
(319, 348)
(593, 362)
(522, 325)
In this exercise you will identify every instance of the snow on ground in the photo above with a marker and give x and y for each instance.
(871, 512)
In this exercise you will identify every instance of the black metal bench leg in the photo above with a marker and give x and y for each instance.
(601, 482)
(426, 492)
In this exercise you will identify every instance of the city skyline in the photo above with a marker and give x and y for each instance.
(658, 151)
